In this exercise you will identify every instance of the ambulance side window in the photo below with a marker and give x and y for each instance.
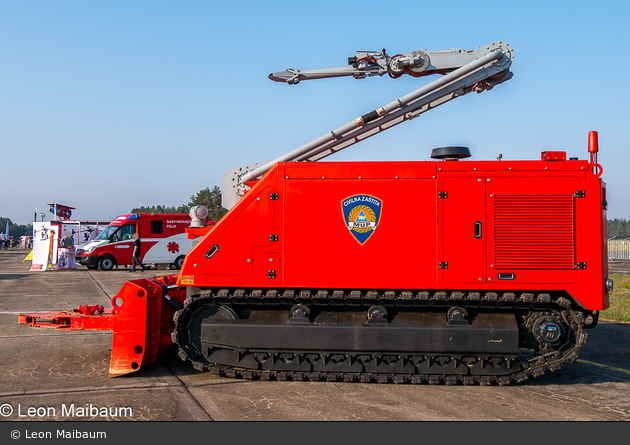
(126, 232)
(157, 226)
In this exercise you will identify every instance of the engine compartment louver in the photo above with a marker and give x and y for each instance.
(534, 232)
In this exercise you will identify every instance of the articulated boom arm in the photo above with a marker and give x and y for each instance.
(464, 72)
(371, 63)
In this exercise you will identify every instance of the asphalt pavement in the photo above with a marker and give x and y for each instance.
(51, 375)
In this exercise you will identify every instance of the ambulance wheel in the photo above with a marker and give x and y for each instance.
(106, 263)
(179, 262)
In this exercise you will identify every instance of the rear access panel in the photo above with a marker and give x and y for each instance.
(462, 230)
(533, 229)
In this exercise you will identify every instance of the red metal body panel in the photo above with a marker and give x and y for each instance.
(469, 225)
(553, 155)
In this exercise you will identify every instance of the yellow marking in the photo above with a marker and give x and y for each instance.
(188, 279)
(600, 365)
(495, 341)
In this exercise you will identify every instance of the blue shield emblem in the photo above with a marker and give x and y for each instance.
(361, 214)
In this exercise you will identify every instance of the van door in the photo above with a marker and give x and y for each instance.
(121, 242)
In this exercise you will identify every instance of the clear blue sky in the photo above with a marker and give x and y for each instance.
(109, 105)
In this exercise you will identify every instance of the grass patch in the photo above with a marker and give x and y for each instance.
(619, 309)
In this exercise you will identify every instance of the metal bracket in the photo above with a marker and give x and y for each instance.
(271, 274)
(457, 315)
(376, 315)
(443, 265)
(443, 195)
(580, 194)
(580, 266)
(274, 196)
(299, 314)
(273, 237)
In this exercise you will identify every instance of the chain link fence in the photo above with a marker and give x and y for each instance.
(619, 249)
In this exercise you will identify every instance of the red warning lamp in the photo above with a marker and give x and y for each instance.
(593, 144)
(593, 149)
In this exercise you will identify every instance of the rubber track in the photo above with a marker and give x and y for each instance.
(533, 366)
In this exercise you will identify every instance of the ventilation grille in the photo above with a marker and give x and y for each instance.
(534, 232)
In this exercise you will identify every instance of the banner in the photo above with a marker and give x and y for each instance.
(67, 258)
(44, 246)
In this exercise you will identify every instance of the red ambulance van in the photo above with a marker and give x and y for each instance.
(163, 240)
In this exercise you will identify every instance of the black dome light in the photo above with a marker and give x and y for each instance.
(450, 153)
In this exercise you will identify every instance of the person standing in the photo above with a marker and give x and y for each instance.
(136, 253)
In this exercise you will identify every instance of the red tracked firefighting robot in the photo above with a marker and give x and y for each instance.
(503, 270)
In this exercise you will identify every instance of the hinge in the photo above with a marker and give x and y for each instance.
(274, 196)
(271, 274)
(273, 237)
(443, 195)
(580, 266)
(443, 265)
(580, 194)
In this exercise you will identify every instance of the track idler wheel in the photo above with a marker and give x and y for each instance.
(546, 331)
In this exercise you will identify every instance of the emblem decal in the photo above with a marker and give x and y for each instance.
(361, 214)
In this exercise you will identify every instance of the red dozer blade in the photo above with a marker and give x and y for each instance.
(141, 320)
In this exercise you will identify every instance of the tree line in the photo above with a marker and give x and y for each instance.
(15, 230)
(618, 229)
(209, 198)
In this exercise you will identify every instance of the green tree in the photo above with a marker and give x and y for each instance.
(206, 197)
(618, 228)
(15, 230)
(161, 209)
(211, 199)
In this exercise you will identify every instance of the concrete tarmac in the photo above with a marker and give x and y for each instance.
(52, 375)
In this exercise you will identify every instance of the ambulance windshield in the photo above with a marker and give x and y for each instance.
(107, 232)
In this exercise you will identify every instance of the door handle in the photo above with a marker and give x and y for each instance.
(477, 229)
